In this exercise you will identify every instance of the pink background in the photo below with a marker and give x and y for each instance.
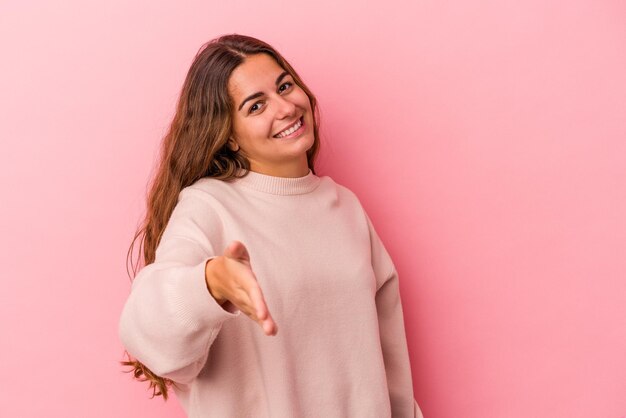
(487, 140)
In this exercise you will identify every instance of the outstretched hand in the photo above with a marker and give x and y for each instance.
(230, 279)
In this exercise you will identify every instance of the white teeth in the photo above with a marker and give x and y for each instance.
(290, 130)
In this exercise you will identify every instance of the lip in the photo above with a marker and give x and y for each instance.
(297, 132)
(301, 118)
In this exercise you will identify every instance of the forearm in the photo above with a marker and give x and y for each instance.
(394, 346)
(169, 319)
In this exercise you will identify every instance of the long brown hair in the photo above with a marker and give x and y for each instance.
(195, 147)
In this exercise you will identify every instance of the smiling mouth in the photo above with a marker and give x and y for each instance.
(289, 132)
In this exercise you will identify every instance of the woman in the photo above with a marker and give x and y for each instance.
(238, 222)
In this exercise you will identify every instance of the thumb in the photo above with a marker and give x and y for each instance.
(237, 250)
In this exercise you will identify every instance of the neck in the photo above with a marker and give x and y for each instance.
(296, 168)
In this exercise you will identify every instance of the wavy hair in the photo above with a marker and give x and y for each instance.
(195, 147)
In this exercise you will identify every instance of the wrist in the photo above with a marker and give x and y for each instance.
(210, 279)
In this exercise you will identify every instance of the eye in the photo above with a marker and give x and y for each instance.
(288, 82)
(252, 108)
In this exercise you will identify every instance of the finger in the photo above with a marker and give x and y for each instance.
(258, 301)
(269, 326)
(246, 305)
(265, 317)
(236, 249)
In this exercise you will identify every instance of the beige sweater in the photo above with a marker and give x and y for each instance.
(329, 284)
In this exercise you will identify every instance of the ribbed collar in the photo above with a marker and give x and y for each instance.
(279, 185)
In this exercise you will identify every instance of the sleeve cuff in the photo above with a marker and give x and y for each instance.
(200, 303)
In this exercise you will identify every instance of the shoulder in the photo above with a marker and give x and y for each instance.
(197, 213)
(342, 191)
(344, 198)
(208, 190)
(351, 198)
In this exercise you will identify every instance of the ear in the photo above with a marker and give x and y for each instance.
(233, 145)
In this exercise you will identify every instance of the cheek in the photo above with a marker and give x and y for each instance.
(304, 101)
(236, 126)
(259, 127)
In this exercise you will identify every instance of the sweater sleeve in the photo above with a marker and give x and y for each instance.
(391, 329)
(170, 319)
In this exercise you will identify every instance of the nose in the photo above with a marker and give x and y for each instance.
(284, 108)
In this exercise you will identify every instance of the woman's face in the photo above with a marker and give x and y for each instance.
(267, 101)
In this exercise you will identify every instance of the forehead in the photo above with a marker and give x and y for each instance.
(257, 73)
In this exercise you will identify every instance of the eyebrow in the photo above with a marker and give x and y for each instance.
(255, 95)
